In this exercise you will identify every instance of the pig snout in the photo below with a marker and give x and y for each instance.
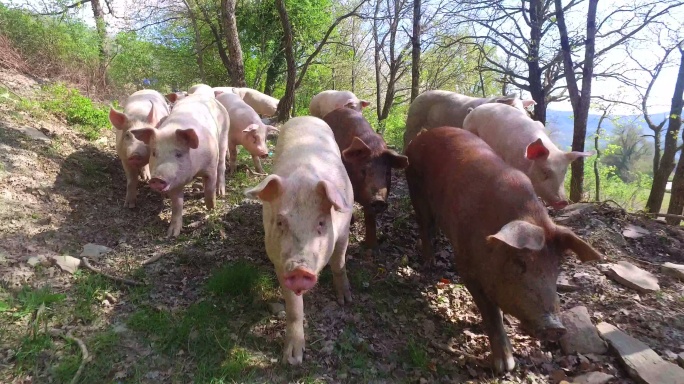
(549, 328)
(264, 156)
(300, 280)
(136, 160)
(559, 204)
(158, 184)
(378, 205)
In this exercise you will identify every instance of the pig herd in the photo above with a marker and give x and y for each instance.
(478, 169)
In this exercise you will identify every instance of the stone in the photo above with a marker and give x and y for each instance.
(67, 263)
(593, 378)
(276, 308)
(674, 270)
(581, 336)
(34, 134)
(641, 362)
(680, 359)
(572, 210)
(36, 260)
(633, 277)
(94, 251)
(634, 231)
(564, 285)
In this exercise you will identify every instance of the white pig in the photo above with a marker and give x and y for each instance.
(173, 97)
(523, 143)
(192, 141)
(434, 109)
(328, 101)
(263, 104)
(201, 89)
(220, 90)
(142, 109)
(307, 206)
(246, 129)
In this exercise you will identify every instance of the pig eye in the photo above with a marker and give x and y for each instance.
(154, 153)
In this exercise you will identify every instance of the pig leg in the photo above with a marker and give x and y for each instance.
(210, 184)
(371, 240)
(232, 148)
(145, 173)
(221, 171)
(176, 197)
(294, 332)
(257, 164)
(502, 351)
(131, 186)
(426, 225)
(339, 270)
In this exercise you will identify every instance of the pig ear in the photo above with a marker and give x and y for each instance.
(507, 100)
(172, 97)
(152, 116)
(118, 119)
(189, 135)
(528, 103)
(568, 240)
(536, 150)
(269, 189)
(350, 103)
(357, 151)
(365, 103)
(331, 197)
(251, 128)
(270, 128)
(572, 156)
(396, 160)
(216, 93)
(143, 134)
(520, 235)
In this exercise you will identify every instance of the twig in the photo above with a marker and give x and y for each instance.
(152, 259)
(455, 351)
(85, 357)
(86, 264)
(255, 173)
(605, 202)
(666, 215)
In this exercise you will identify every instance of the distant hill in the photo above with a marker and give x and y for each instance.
(559, 123)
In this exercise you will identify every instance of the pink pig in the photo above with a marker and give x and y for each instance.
(142, 109)
(261, 103)
(192, 141)
(246, 129)
(307, 207)
(328, 101)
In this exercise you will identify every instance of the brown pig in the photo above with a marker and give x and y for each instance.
(191, 141)
(506, 248)
(142, 109)
(368, 162)
(307, 204)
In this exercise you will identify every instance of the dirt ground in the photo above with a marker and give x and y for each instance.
(207, 310)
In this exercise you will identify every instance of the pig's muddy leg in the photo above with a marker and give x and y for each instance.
(232, 149)
(131, 186)
(339, 271)
(257, 164)
(502, 351)
(145, 173)
(371, 240)
(176, 197)
(426, 229)
(210, 185)
(294, 332)
(220, 180)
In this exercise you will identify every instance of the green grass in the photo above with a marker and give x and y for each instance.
(29, 300)
(416, 356)
(239, 279)
(90, 290)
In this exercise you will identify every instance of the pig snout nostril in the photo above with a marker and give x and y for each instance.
(300, 280)
(158, 184)
(560, 204)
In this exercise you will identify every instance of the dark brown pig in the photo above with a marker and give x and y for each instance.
(368, 162)
(506, 248)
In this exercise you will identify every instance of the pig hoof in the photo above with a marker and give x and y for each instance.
(129, 204)
(345, 297)
(501, 365)
(294, 352)
(173, 231)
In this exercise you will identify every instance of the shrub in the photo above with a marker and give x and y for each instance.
(78, 110)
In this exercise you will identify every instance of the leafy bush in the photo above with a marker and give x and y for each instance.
(78, 110)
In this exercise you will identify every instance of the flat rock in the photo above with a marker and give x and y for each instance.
(680, 359)
(276, 308)
(34, 134)
(94, 251)
(593, 378)
(633, 277)
(634, 231)
(36, 260)
(674, 270)
(641, 362)
(572, 210)
(564, 285)
(67, 263)
(581, 336)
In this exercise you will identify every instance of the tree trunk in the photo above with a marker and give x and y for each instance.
(101, 28)
(198, 38)
(376, 60)
(580, 101)
(598, 155)
(657, 142)
(225, 60)
(677, 194)
(236, 69)
(415, 53)
(287, 101)
(274, 68)
(534, 70)
(655, 198)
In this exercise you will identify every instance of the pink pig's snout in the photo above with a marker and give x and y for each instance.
(559, 204)
(136, 160)
(158, 184)
(300, 280)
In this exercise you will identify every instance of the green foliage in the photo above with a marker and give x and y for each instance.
(78, 110)
(395, 125)
(239, 279)
(29, 299)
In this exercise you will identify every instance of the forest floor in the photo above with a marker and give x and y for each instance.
(209, 310)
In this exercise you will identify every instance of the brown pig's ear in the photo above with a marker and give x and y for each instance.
(568, 240)
(143, 134)
(331, 197)
(520, 235)
(268, 190)
(396, 160)
(357, 151)
(172, 97)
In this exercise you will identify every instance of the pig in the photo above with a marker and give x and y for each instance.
(201, 89)
(368, 162)
(506, 248)
(192, 141)
(437, 108)
(220, 90)
(523, 144)
(328, 101)
(307, 206)
(263, 104)
(173, 97)
(142, 109)
(246, 129)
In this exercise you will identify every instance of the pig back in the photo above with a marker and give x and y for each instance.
(137, 105)
(347, 123)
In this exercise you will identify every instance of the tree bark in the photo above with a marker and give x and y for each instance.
(376, 60)
(101, 28)
(225, 60)
(415, 53)
(597, 175)
(198, 38)
(236, 68)
(667, 164)
(274, 68)
(677, 194)
(580, 101)
(287, 101)
(534, 70)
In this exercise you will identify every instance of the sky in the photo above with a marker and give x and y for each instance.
(659, 100)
